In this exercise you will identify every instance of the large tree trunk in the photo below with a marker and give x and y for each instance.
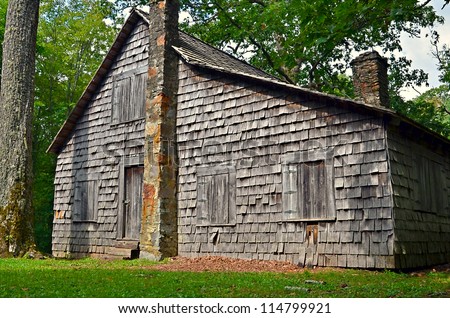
(16, 109)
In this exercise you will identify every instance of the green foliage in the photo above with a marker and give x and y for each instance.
(72, 41)
(305, 42)
(94, 278)
(431, 109)
(309, 42)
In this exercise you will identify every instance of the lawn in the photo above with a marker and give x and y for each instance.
(96, 278)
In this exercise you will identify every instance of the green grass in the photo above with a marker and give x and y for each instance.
(95, 278)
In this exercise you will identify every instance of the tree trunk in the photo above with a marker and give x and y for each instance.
(16, 110)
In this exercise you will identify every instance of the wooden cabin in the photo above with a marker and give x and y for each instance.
(177, 148)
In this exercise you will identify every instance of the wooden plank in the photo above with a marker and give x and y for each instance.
(133, 201)
(305, 191)
(202, 199)
(220, 198)
(290, 179)
(321, 191)
(122, 252)
(128, 244)
(92, 200)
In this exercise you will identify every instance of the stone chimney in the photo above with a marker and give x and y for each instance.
(370, 79)
(159, 238)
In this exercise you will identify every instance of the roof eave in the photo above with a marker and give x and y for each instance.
(303, 90)
(378, 109)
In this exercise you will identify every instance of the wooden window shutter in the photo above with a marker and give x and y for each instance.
(437, 188)
(308, 187)
(203, 193)
(139, 86)
(313, 189)
(123, 99)
(78, 202)
(121, 91)
(424, 183)
(430, 192)
(216, 196)
(290, 191)
(85, 201)
(128, 97)
(219, 199)
(92, 201)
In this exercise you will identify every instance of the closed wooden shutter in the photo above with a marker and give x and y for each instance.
(203, 194)
(79, 200)
(308, 187)
(216, 202)
(290, 191)
(313, 189)
(430, 192)
(219, 199)
(128, 101)
(85, 201)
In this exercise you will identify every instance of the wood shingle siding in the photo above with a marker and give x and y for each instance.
(227, 122)
(96, 151)
(128, 96)
(262, 169)
(421, 183)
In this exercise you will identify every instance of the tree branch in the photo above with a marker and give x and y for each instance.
(423, 5)
(260, 2)
(255, 43)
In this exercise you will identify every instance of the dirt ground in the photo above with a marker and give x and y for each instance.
(223, 264)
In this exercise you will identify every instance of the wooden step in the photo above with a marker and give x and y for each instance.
(123, 252)
(131, 244)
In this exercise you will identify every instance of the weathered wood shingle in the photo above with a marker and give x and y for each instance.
(421, 218)
(93, 153)
(271, 124)
(238, 128)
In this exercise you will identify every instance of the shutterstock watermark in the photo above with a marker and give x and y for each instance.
(245, 153)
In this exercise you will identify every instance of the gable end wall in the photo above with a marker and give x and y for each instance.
(95, 152)
(422, 238)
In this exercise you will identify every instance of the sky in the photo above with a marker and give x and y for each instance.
(419, 50)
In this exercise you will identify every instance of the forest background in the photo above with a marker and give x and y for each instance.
(308, 43)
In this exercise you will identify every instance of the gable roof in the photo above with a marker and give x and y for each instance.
(191, 49)
(195, 52)
(198, 53)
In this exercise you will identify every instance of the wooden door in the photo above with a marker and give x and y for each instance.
(133, 202)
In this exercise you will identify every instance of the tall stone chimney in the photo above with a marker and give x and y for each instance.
(370, 79)
(159, 236)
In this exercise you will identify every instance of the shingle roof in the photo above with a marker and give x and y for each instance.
(191, 49)
(198, 53)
